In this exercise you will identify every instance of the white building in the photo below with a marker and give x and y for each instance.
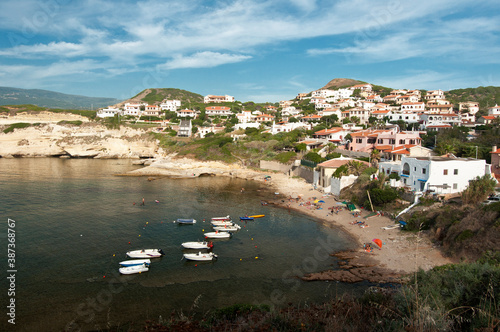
(186, 113)
(415, 107)
(494, 111)
(109, 112)
(133, 109)
(218, 111)
(245, 116)
(218, 99)
(290, 111)
(441, 175)
(170, 105)
(288, 127)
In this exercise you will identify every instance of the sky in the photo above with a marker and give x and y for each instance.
(254, 50)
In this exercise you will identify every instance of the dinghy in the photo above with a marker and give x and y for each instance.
(230, 228)
(133, 262)
(134, 269)
(208, 256)
(217, 235)
(145, 253)
(185, 221)
(246, 218)
(198, 245)
(226, 218)
(257, 216)
(222, 223)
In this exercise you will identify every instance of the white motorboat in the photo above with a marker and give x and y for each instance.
(207, 256)
(133, 262)
(145, 253)
(198, 245)
(134, 269)
(222, 223)
(217, 235)
(185, 221)
(226, 218)
(231, 228)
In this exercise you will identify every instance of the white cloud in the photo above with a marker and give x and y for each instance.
(202, 60)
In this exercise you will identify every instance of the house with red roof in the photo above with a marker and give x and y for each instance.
(326, 170)
(332, 135)
(486, 119)
(218, 111)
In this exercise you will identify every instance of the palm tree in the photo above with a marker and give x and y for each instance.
(355, 167)
(375, 157)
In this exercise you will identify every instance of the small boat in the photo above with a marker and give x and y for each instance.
(185, 221)
(257, 216)
(134, 269)
(207, 256)
(218, 235)
(226, 218)
(133, 262)
(246, 218)
(198, 245)
(231, 228)
(145, 253)
(222, 223)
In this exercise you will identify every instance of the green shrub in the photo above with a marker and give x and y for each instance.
(285, 157)
(18, 125)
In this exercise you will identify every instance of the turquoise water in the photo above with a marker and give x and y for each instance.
(75, 220)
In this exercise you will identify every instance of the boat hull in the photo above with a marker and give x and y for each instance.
(197, 245)
(135, 262)
(133, 269)
(145, 253)
(201, 257)
(217, 235)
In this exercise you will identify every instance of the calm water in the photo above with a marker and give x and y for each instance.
(75, 220)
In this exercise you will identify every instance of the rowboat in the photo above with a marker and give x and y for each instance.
(222, 223)
(134, 269)
(246, 218)
(185, 221)
(226, 218)
(145, 253)
(198, 245)
(230, 228)
(207, 256)
(133, 262)
(257, 216)
(218, 235)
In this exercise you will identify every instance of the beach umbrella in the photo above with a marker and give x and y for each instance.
(378, 242)
(316, 200)
(321, 201)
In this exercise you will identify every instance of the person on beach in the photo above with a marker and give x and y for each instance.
(143, 203)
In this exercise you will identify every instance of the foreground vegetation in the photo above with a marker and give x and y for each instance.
(462, 297)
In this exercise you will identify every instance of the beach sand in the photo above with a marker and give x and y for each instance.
(401, 252)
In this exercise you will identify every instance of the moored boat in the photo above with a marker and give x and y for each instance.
(246, 218)
(185, 221)
(207, 256)
(222, 223)
(134, 269)
(133, 262)
(145, 253)
(257, 216)
(230, 228)
(218, 235)
(226, 218)
(198, 245)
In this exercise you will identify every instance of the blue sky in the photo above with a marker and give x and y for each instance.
(253, 50)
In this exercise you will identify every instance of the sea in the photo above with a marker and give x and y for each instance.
(73, 220)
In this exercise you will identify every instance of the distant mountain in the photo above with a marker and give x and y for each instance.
(51, 99)
(338, 83)
(155, 96)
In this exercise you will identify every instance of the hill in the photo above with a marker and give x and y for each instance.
(338, 83)
(486, 96)
(154, 96)
(51, 99)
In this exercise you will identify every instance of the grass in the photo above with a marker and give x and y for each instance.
(14, 126)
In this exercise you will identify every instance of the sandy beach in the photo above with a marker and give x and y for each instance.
(401, 252)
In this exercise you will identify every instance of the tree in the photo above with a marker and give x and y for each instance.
(355, 167)
(375, 157)
(478, 189)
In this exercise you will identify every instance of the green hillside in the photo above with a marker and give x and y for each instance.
(51, 99)
(157, 95)
(486, 96)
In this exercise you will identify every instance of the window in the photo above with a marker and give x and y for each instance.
(401, 141)
(445, 172)
(424, 170)
(455, 186)
(455, 171)
(392, 141)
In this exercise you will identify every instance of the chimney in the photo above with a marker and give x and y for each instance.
(494, 149)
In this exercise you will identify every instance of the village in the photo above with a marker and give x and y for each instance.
(364, 124)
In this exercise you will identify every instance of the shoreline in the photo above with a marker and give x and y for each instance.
(401, 253)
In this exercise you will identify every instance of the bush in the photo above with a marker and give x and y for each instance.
(382, 196)
(13, 126)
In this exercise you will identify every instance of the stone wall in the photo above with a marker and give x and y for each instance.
(275, 166)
